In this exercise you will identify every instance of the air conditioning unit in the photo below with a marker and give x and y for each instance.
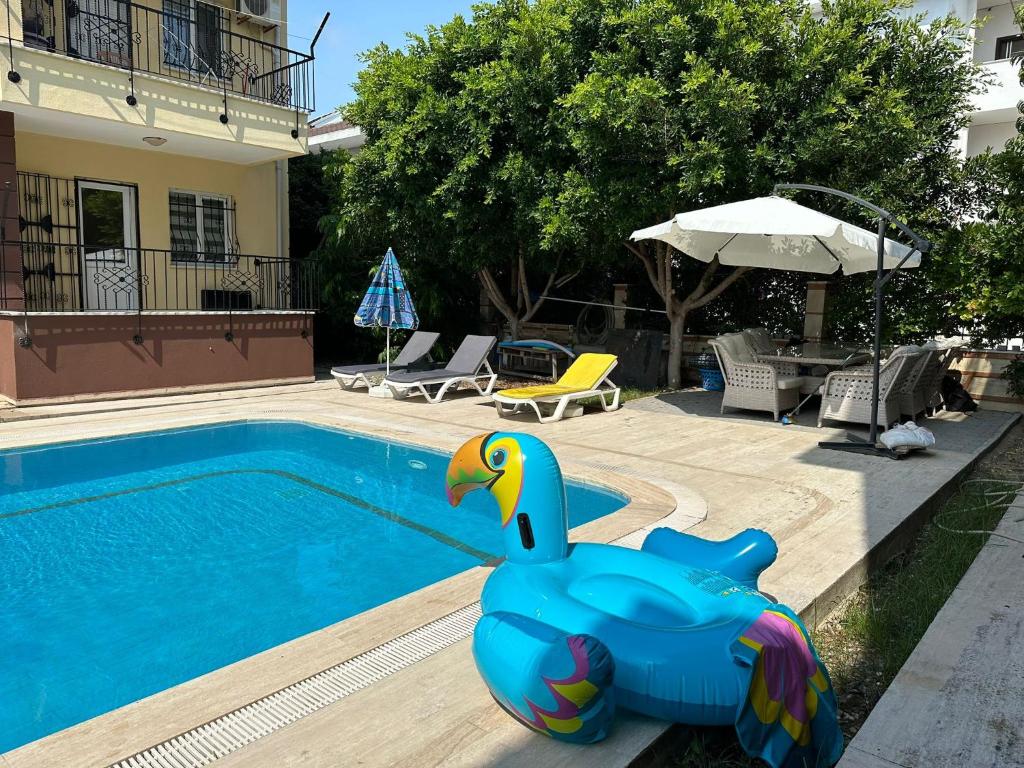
(264, 12)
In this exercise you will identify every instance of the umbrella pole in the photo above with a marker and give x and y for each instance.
(877, 363)
(387, 355)
(853, 443)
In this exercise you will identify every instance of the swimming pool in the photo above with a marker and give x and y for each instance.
(133, 564)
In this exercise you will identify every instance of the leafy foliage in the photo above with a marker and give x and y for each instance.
(524, 145)
(443, 300)
(1014, 374)
(691, 104)
(973, 283)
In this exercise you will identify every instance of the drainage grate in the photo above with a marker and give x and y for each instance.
(229, 733)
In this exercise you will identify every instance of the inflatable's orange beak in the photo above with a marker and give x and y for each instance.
(468, 470)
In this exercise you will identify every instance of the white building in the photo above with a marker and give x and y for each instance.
(997, 40)
(996, 43)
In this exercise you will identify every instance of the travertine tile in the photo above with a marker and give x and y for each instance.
(828, 510)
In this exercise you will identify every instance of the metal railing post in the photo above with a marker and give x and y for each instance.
(12, 73)
(131, 99)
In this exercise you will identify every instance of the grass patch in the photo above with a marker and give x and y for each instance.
(631, 393)
(869, 640)
(870, 637)
(627, 394)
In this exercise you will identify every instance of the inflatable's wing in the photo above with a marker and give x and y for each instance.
(790, 717)
(553, 682)
(741, 558)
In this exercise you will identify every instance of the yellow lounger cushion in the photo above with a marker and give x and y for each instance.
(585, 374)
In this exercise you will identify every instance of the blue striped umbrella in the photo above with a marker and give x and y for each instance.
(387, 304)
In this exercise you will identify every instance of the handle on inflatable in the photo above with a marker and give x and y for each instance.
(742, 558)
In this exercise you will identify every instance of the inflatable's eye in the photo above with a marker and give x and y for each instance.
(498, 457)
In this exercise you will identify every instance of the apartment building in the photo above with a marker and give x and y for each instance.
(996, 42)
(143, 184)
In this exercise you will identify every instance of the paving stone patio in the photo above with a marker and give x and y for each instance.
(834, 515)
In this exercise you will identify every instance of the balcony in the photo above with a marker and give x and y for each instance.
(54, 278)
(174, 42)
(117, 71)
(998, 103)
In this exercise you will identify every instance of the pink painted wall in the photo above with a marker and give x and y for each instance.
(77, 354)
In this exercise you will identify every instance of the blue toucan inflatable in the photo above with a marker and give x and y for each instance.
(676, 631)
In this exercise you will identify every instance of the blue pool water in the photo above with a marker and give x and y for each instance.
(128, 566)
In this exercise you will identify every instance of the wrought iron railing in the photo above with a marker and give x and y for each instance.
(195, 43)
(54, 277)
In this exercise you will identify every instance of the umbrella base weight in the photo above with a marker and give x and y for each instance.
(856, 445)
(382, 392)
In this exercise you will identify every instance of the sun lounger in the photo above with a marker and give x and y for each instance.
(469, 365)
(587, 377)
(416, 350)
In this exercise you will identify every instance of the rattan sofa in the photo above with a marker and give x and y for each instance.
(753, 385)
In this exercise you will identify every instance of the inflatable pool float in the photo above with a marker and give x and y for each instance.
(676, 630)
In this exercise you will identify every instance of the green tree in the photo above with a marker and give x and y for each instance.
(525, 144)
(443, 300)
(699, 102)
(973, 283)
(985, 266)
(464, 158)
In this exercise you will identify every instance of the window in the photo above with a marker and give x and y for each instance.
(201, 227)
(1010, 47)
(192, 36)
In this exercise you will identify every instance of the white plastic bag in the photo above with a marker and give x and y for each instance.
(908, 435)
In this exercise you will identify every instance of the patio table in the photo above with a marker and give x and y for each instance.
(816, 353)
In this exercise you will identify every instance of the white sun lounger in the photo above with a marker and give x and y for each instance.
(416, 349)
(469, 365)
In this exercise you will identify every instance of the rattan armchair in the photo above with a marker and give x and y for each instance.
(846, 394)
(947, 357)
(754, 385)
(915, 390)
(760, 341)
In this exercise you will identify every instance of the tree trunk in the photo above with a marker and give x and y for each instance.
(521, 309)
(677, 327)
(658, 266)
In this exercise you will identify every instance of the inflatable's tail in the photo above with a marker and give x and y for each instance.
(555, 683)
(741, 558)
(790, 718)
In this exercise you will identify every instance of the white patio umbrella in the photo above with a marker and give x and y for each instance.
(776, 233)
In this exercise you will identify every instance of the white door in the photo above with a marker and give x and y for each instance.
(107, 233)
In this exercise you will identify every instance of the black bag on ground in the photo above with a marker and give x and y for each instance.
(954, 396)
